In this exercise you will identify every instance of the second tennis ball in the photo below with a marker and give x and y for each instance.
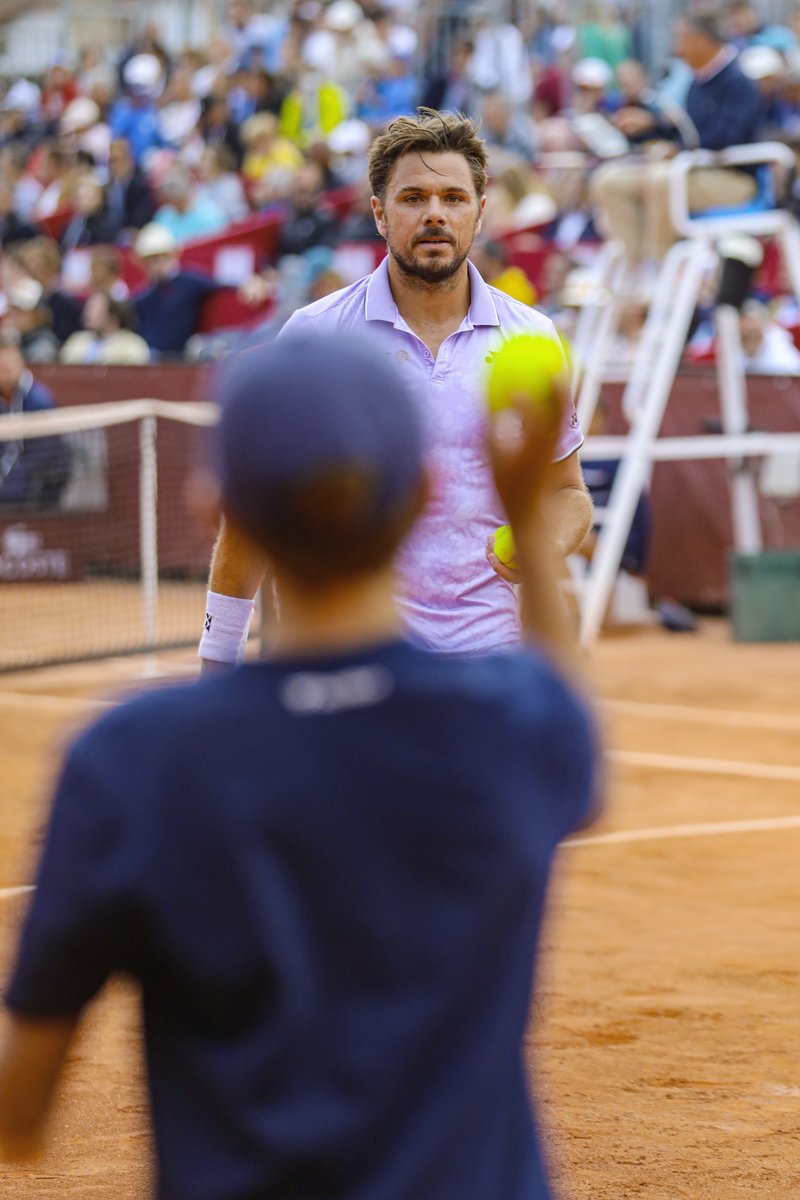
(504, 546)
(527, 364)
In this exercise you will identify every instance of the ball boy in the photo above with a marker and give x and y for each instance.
(325, 870)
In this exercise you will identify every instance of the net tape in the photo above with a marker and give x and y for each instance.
(80, 417)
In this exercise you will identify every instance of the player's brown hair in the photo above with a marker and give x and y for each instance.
(429, 132)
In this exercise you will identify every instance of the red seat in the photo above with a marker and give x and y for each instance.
(55, 225)
(224, 310)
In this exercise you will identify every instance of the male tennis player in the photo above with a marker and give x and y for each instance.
(326, 870)
(427, 308)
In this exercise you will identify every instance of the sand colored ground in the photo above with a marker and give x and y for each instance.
(666, 1031)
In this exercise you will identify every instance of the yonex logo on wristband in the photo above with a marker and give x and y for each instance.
(209, 619)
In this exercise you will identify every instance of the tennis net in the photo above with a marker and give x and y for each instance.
(99, 552)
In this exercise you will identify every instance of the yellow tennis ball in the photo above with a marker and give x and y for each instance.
(527, 364)
(504, 546)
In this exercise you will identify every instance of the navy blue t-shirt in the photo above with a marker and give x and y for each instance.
(328, 878)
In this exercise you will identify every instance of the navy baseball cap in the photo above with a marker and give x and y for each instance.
(307, 405)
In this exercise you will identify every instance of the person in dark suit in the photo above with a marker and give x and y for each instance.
(12, 227)
(41, 258)
(33, 472)
(128, 196)
(453, 90)
(307, 224)
(92, 223)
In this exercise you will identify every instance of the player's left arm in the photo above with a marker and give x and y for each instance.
(568, 506)
(32, 1052)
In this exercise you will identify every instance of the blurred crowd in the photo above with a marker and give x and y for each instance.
(111, 164)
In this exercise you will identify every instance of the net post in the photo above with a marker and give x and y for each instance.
(148, 529)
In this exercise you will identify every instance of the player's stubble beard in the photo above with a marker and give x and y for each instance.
(432, 272)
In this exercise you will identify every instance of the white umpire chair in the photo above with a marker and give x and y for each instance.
(658, 356)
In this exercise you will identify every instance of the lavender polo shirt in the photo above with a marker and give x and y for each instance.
(452, 599)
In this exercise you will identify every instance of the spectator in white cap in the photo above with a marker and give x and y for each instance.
(349, 145)
(767, 68)
(168, 309)
(135, 115)
(19, 115)
(592, 78)
(29, 317)
(82, 128)
(147, 42)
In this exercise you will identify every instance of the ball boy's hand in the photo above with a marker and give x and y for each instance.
(521, 440)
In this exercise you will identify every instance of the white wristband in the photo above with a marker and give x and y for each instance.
(226, 626)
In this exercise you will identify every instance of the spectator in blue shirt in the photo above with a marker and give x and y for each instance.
(184, 213)
(135, 115)
(168, 309)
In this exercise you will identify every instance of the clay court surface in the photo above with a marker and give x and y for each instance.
(666, 1033)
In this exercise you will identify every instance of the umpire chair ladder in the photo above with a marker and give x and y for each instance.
(657, 360)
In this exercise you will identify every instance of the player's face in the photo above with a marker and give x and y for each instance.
(430, 214)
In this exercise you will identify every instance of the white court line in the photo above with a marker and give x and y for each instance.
(15, 891)
(705, 766)
(658, 833)
(712, 716)
(45, 703)
(664, 762)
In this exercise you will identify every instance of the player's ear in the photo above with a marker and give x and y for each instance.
(377, 212)
(481, 211)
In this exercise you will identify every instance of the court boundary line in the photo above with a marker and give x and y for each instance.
(704, 766)
(712, 716)
(659, 833)
(656, 833)
(51, 702)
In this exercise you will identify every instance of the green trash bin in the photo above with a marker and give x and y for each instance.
(765, 596)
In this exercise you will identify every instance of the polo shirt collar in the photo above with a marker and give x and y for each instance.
(718, 64)
(381, 306)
